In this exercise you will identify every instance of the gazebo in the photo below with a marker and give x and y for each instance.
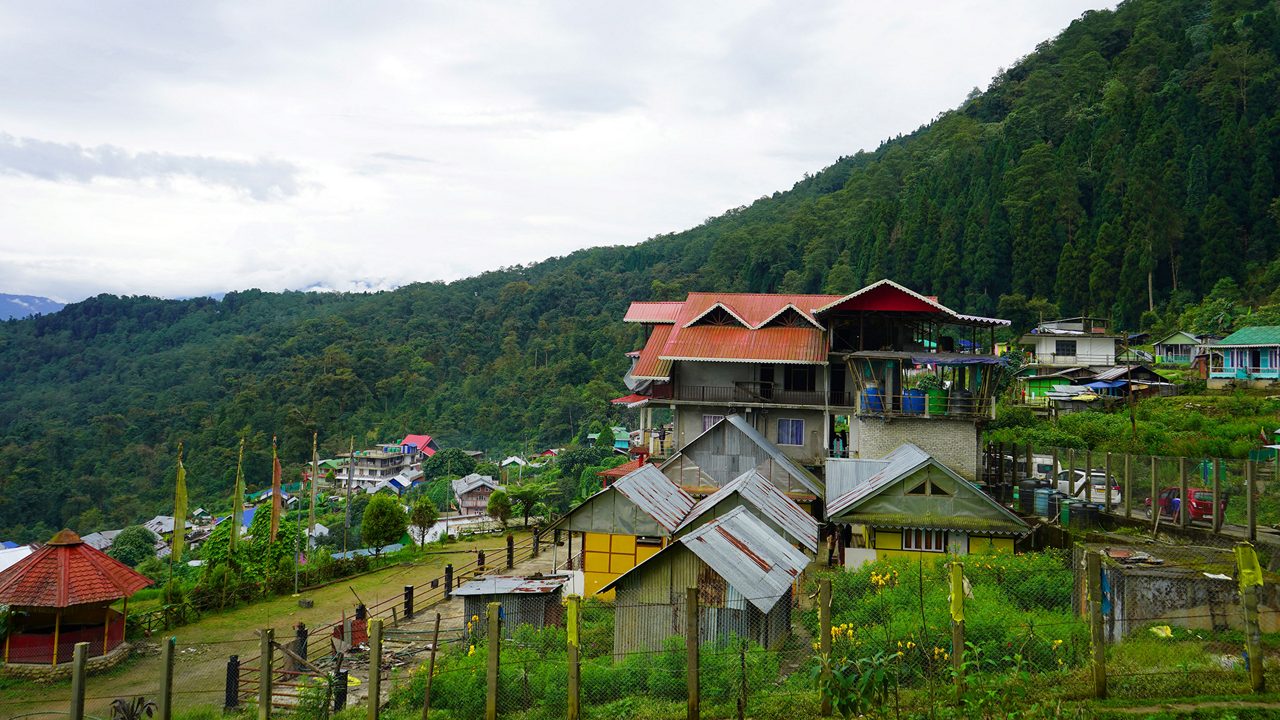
(61, 595)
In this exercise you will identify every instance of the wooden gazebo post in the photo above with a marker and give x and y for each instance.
(106, 629)
(57, 627)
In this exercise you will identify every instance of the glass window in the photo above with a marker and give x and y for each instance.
(1064, 347)
(924, 540)
(790, 431)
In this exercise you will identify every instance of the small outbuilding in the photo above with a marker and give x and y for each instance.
(535, 601)
(745, 575)
(61, 595)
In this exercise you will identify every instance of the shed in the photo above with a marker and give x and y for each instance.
(63, 593)
(1177, 347)
(730, 448)
(745, 575)
(535, 601)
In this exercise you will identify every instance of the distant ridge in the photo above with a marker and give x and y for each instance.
(20, 306)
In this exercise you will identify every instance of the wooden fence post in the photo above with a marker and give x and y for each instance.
(1184, 511)
(1250, 576)
(1155, 494)
(448, 581)
(495, 645)
(266, 637)
(1251, 504)
(957, 626)
(1093, 565)
(375, 667)
(78, 658)
(1088, 476)
(166, 679)
(1107, 492)
(824, 637)
(511, 551)
(691, 648)
(575, 669)
(408, 602)
(1128, 486)
(431, 669)
(1031, 463)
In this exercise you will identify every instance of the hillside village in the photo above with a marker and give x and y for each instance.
(780, 438)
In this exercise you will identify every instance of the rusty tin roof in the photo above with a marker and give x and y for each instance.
(656, 495)
(769, 501)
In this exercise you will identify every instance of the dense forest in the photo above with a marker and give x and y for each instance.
(1125, 168)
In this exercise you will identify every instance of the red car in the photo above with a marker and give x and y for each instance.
(1200, 507)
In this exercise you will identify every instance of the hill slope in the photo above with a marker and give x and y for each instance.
(1125, 166)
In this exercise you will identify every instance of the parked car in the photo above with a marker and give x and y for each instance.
(1043, 467)
(1105, 489)
(1200, 507)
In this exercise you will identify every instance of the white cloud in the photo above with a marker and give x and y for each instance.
(180, 149)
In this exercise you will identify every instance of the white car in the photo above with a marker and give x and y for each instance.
(1103, 490)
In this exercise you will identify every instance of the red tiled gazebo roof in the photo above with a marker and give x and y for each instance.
(622, 470)
(67, 572)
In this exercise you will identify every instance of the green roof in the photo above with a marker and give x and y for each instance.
(1258, 335)
(1178, 338)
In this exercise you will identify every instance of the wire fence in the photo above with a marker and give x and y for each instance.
(911, 631)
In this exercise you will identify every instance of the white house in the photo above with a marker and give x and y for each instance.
(1071, 342)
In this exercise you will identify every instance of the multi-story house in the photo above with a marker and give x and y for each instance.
(817, 375)
(369, 468)
(1072, 342)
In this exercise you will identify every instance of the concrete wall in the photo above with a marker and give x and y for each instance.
(953, 442)
(813, 452)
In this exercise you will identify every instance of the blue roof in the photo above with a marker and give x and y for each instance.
(248, 517)
(8, 544)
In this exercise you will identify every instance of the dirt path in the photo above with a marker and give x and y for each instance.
(203, 647)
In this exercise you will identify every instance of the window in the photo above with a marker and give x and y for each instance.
(799, 377)
(790, 431)
(710, 420)
(924, 540)
(1064, 347)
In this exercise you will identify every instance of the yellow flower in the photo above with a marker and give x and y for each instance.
(1057, 644)
(910, 644)
(475, 618)
(468, 627)
(471, 651)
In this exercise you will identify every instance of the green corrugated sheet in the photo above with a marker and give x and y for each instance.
(1259, 335)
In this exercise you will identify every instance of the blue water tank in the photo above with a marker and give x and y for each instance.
(1042, 501)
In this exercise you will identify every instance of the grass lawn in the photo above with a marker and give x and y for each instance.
(204, 646)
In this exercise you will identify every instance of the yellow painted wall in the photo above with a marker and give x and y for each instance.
(889, 545)
(981, 545)
(605, 557)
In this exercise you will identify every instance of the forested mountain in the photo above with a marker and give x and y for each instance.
(1123, 169)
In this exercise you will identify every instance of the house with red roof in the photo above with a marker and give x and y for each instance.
(899, 365)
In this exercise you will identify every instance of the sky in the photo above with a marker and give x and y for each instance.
(180, 149)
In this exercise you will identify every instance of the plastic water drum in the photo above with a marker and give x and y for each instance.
(1027, 496)
(913, 402)
(1042, 501)
(872, 400)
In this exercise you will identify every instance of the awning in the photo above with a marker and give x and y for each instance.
(1105, 384)
(632, 401)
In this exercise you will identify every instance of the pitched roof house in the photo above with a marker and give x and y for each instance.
(472, 493)
(1250, 356)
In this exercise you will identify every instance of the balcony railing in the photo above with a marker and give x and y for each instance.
(1246, 373)
(956, 405)
(760, 392)
(1055, 359)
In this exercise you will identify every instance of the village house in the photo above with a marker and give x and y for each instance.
(471, 493)
(1250, 357)
(792, 364)
(765, 501)
(1071, 342)
(745, 575)
(1177, 348)
(367, 468)
(908, 504)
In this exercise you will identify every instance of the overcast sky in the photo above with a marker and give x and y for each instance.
(178, 148)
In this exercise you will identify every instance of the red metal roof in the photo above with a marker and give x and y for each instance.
(653, 312)
(650, 366)
(889, 296)
(68, 572)
(629, 399)
(423, 442)
(622, 470)
(753, 308)
(770, 344)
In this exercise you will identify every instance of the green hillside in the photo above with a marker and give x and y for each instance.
(1123, 169)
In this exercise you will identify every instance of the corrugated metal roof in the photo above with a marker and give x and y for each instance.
(902, 462)
(507, 584)
(649, 366)
(740, 548)
(740, 344)
(464, 485)
(755, 309)
(761, 494)
(648, 489)
(1257, 335)
(846, 474)
(804, 477)
(878, 290)
(653, 312)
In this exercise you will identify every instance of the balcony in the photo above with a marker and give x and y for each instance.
(1071, 360)
(760, 393)
(1246, 373)
(958, 405)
